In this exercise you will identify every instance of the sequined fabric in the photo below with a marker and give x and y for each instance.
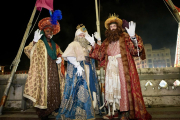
(53, 90)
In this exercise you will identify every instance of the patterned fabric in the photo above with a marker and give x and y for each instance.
(36, 86)
(139, 106)
(97, 87)
(46, 22)
(37, 75)
(74, 83)
(113, 50)
(53, 89)
(127, 49)
(92, 81)
(112, 83)
(77, 101)
(59, 54)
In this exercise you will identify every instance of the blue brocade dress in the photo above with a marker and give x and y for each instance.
(77, 99)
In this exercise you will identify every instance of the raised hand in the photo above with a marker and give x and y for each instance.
(37, 35)
(97, 36)
(131, 30)
(90, 39)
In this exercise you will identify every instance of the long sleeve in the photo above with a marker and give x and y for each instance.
(27, 49)
(59, 54)
(133, 49)
(99, 53)
(94, 52)
(58, 51)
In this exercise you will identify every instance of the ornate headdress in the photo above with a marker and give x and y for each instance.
(113, 19)
(81, 29)
(51, 22)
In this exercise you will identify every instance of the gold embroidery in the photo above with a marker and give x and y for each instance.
(83, 94)
(70, 70)
(80, 113)
(37, 75)
(75, 81)
(69, 103)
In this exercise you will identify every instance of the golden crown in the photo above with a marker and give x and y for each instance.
(81, 27)
(113, 18)
(110, 16)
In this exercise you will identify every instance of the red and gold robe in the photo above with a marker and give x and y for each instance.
(132, 92)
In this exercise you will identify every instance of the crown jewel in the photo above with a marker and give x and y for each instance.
(81, 27)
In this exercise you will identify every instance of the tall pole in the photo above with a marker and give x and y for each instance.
(16, 61)
(175, 11)
(101, 68)
(97, 18)
(177, 53)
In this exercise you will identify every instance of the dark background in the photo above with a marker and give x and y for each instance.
(154, 23)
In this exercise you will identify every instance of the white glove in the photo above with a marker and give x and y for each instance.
(90, 39)
(58, 60)
(76, 65)
(37, 35)
(51, 36)
(97, 36)
(131, 30)
(79, 70)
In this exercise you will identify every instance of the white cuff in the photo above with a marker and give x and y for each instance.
(99, 42)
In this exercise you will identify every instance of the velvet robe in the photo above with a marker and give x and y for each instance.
(128, 51)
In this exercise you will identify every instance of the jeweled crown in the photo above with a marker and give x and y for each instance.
(81, 27)
(113, 15)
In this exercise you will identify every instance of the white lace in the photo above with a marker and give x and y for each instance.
(112, 82)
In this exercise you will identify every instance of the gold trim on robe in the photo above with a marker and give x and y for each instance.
(36, 83)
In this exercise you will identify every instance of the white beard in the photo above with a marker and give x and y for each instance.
(82, 41)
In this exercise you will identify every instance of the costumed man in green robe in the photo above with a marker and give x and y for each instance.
(45, 80)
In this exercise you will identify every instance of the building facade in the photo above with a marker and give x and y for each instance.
(154, 58)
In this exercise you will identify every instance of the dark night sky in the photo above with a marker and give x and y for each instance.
(154, 23)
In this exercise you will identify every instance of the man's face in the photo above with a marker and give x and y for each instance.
(113, 27)
(48, 33)
(82, 35)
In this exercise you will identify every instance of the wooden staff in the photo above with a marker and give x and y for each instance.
(102, 77)
(16, 61)
(175, 11)
(177, 15)
(97, 18)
